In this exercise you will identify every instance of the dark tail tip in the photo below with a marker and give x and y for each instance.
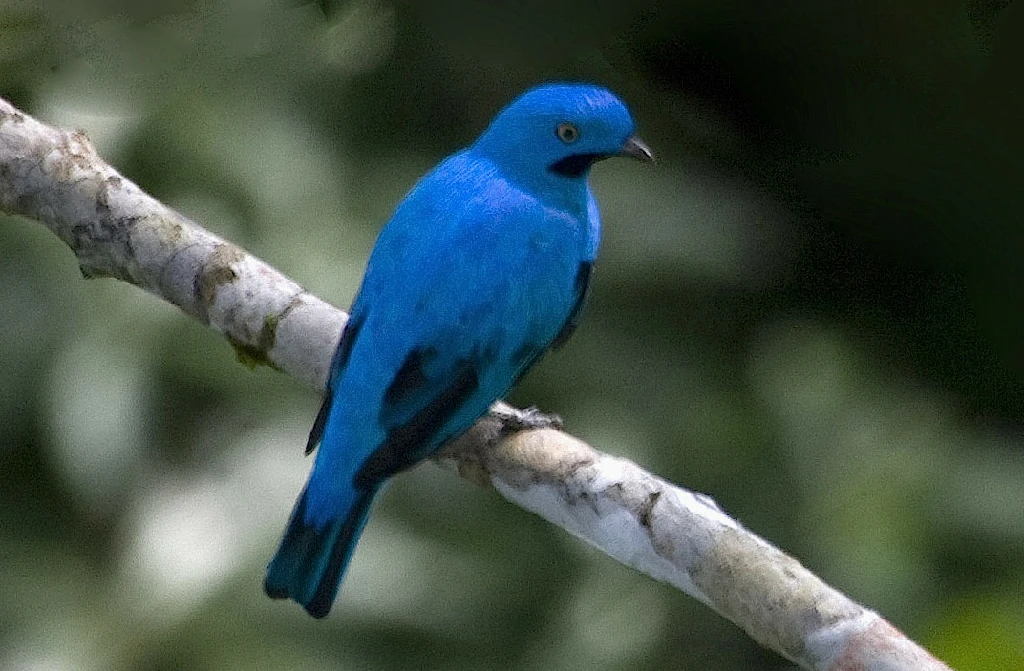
(319, 608)
(311, 562)
(273, 591)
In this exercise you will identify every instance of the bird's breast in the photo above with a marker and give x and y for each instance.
(543, 283)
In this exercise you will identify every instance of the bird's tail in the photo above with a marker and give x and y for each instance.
(311, 561)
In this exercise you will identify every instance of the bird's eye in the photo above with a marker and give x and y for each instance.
(567, 132)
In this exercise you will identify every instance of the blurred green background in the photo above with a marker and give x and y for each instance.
(809, 309)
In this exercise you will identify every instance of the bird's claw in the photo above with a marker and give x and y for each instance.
(530, 418)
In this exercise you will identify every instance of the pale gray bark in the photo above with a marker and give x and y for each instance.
(667, 532)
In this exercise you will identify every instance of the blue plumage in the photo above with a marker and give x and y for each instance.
(482, 268)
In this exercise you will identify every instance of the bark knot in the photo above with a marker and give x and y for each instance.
(215, 272)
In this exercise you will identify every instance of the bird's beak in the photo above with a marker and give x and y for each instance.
(635, 148)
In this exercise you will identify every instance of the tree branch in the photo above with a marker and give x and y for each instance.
(669, 533)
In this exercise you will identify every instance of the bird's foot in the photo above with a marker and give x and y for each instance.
(530, 418)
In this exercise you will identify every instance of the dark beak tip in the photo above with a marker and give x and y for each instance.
(638, 149)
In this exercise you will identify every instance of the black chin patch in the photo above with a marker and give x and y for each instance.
(575, 165)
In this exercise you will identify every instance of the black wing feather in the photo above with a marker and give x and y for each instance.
(403, 445)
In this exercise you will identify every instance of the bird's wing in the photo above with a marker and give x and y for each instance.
(432, 396)
(583, 274)
(341, 355)
(407, 285)
(452, 296)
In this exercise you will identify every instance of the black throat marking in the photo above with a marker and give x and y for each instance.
(575, 165)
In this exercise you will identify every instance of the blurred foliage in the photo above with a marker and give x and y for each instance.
(810, 309)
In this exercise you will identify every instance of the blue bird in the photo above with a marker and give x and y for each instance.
(483, 267)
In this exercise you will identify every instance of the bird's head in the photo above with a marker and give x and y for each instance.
(555, 132)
